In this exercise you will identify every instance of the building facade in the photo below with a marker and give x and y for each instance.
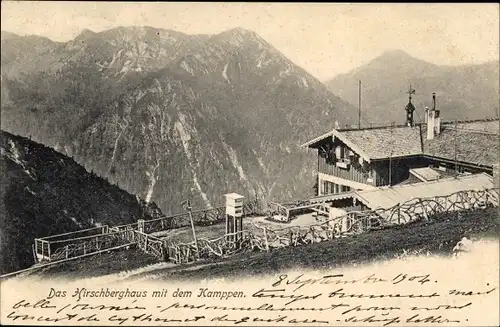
(367, 158)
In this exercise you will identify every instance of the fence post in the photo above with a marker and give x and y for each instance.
(399, 213)
(33, 247)
(48, 250)
(140, 225)
(265, 237)
(67, 251)
(36, 250)
(424, 209)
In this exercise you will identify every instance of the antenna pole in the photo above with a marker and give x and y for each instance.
(187, 206)
(390, 158)
(359, 105)
(455, 145)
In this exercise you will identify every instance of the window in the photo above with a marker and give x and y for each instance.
(333, 188)
(345, 188)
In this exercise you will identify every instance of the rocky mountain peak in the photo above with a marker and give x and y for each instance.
(399, 60)
(85, 33)
(464, 92)
(162, 119)
(239, 37)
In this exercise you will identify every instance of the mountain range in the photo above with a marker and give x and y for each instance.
(170, 116)
(462, 92)
(46, 193)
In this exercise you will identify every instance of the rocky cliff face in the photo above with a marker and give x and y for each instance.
(169, 116)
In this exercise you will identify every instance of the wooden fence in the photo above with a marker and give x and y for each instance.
(64, 249)
(204, 217)
(224, 246)
(352, 223)
(44, 247)
(427, 207)
(99, 239)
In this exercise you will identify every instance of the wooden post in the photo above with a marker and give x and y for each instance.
(36, 250)
(187, 204)
(48, 250)
(235, 230)
(241, 229)
(140, 225)
(33, 247)
(424, 210)
(399, 213)
(265, 237)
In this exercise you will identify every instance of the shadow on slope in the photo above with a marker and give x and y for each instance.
(44, 192)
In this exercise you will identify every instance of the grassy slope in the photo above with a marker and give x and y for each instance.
(436, 237)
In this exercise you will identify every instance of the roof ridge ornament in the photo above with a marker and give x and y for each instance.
(410, 92)
(410, 108)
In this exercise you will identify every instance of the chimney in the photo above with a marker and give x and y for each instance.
(437, 122)
(432, 119)
(437, 118)
(426, 114)
(430, 124)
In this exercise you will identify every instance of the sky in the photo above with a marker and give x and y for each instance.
(326, 39)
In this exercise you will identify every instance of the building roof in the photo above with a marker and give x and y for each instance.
(489, 126)
(475, 147)
(233, 196)
(477, 141)
(426, 174)
(387, 197)
(380, 143)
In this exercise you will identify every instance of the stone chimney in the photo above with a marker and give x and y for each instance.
(437, 118)
(430, 124)
(432, 119)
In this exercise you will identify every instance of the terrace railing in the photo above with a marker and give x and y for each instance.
(352, 223)
(103, 238)
(203, 217)
(44, 247)
(69, 248)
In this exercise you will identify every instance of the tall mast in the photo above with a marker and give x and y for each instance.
(390, 156)
(455, 145)
(410, 92)
(359, 105)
